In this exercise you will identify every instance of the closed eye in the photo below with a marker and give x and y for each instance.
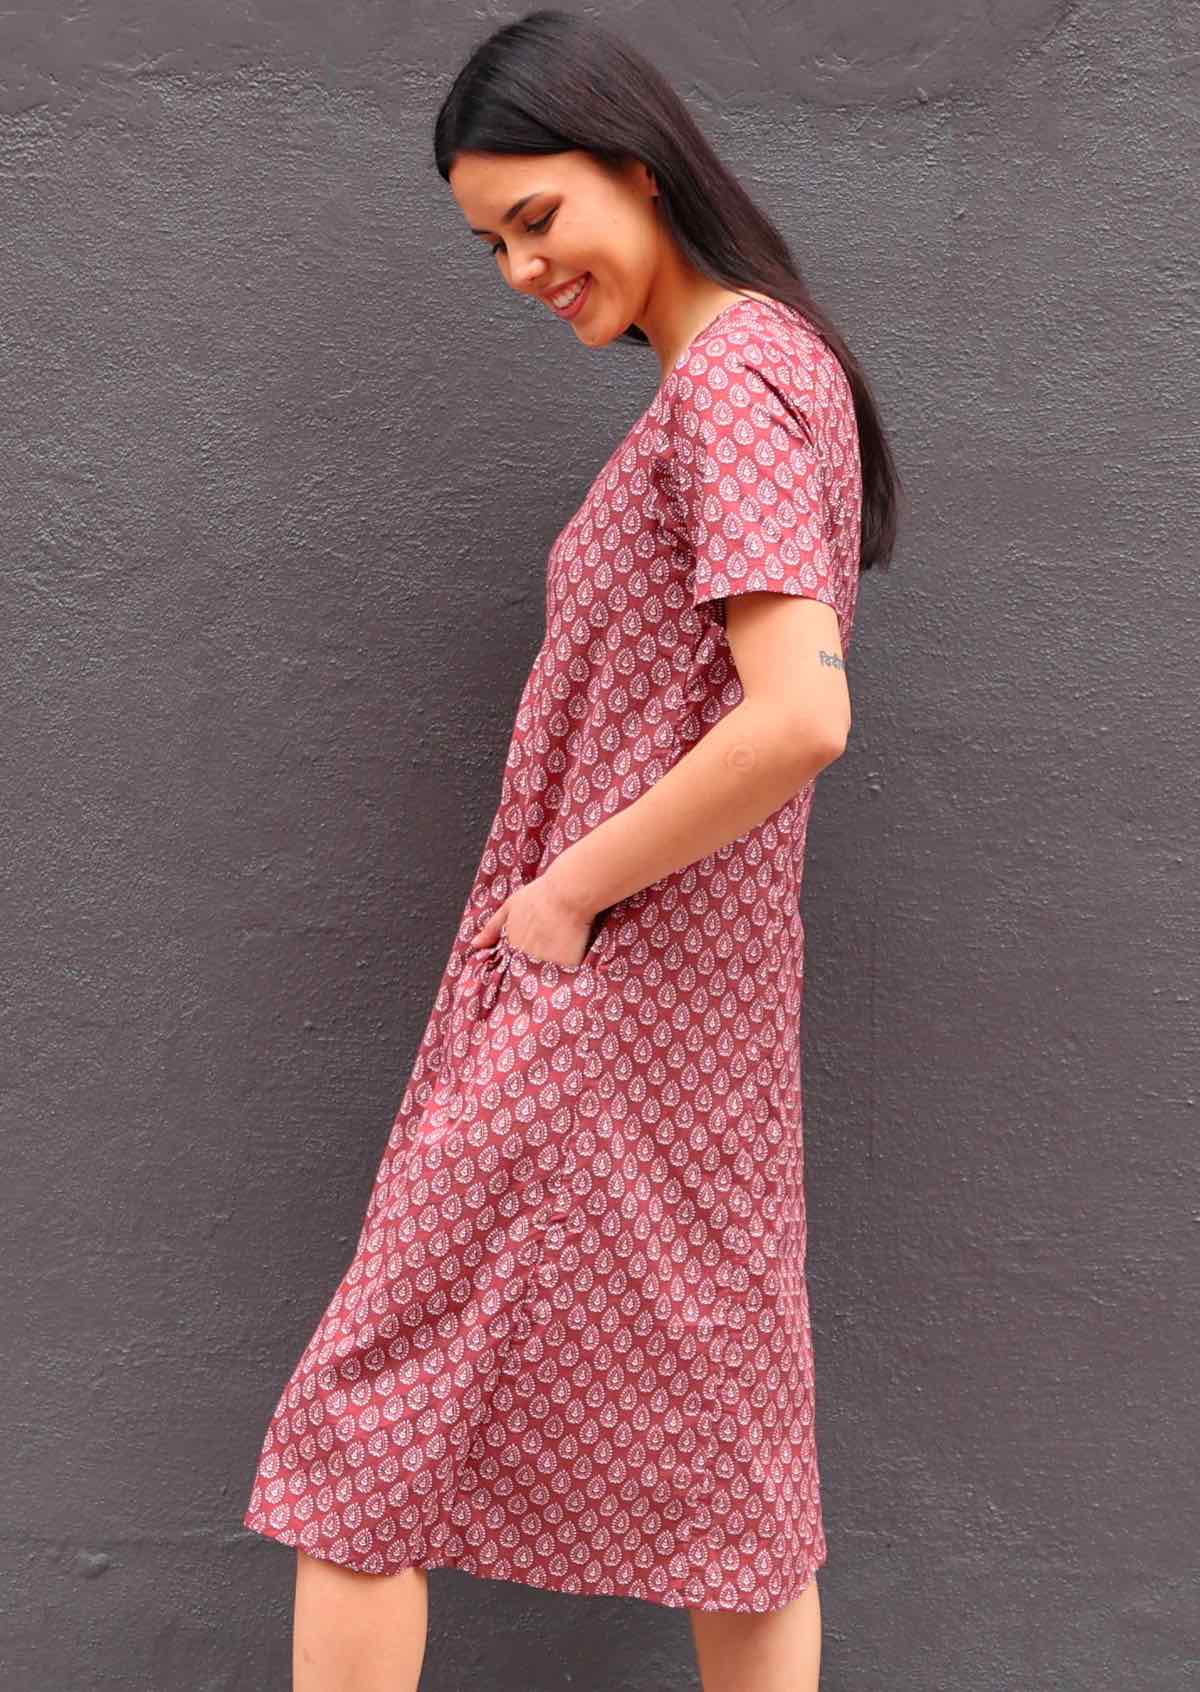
(538, 228)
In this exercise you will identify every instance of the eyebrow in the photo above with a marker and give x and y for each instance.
(510, 214)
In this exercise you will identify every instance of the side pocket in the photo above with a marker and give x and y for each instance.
(598, 937)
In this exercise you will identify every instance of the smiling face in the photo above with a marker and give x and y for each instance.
(572, 217)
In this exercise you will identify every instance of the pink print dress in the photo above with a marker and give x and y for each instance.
(572, 1347)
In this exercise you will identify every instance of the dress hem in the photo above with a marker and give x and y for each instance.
(465, 1563)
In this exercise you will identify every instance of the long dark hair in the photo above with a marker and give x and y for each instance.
(554, 83)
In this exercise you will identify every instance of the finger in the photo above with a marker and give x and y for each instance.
(489, 933)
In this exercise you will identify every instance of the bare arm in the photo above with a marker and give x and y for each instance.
(793, 720)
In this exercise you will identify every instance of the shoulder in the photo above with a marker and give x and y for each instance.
(763, 368)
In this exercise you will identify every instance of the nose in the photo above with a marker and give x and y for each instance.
(528, 274)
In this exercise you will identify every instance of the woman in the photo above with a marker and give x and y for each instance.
(572, 1348)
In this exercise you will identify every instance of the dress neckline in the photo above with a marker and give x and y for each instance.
(733, 305)
(640, 422)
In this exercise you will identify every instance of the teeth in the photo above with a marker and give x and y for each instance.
(564, 300)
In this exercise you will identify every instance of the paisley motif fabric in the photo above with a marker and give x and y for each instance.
(572, 1347)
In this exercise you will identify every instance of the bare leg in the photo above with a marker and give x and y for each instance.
(357, 1632)
(776, 1652)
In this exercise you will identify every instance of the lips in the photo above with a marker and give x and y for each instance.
(571, 282)
(568, 314)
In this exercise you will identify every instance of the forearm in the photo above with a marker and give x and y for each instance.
(746, 766)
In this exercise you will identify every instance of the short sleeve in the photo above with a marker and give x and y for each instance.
(748, 484)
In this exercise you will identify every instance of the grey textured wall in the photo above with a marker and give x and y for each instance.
(281, 459)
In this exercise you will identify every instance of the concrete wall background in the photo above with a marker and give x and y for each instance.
(280, 461)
